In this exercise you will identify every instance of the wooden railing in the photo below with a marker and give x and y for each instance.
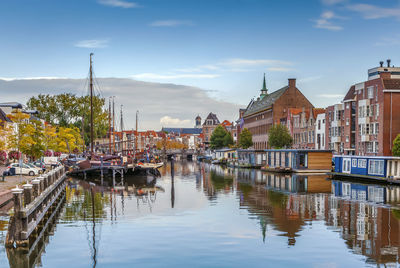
(31, 205)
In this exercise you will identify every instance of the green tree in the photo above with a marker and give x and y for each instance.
(279, 137)
(396, 146)
(245, 139)
(68, 110)
(32, 142)
(218, 137)
(228, 140)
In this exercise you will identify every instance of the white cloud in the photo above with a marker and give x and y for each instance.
(173, 76)
(93, 43)
(118, 3)
(166, 121)
(240, 62)
(325, 21)
(332, 2)
(331, 96)
(279, 69)
(375, 12)
(153, 100)
(30, 78)
(171, 23)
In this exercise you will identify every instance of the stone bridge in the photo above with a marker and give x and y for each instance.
(179, 153)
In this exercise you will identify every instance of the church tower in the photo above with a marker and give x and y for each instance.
(264, 90)
(198, 122)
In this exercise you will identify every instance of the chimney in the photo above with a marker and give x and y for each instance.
(292, 82)
(388, 62)
(381, 63)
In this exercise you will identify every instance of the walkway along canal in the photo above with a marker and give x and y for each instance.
(210, 216)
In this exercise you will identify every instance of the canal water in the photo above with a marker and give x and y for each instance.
(204, 215)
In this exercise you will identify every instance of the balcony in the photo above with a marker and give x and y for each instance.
(364, 138)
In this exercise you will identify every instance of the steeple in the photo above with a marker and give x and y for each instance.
(264, 90)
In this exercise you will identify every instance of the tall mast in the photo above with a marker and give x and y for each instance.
(113, 119)
(109, 125)
(136, 134)
(122, 132)
(91, 105)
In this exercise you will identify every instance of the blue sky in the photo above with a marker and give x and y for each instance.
(221, 46)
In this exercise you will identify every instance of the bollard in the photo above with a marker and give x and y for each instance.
(36, 189)
(17, 195)
(27, 193)
(17, 192)
(41, 184)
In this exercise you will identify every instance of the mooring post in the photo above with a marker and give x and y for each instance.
(101, 169)
(41, 184)
(17, 194)
(36, 190)
(113, 178)
(27, 194)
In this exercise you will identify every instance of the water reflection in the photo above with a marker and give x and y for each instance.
(189, 197)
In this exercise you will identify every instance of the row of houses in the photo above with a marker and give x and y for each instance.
(365, 122)
(196, 138)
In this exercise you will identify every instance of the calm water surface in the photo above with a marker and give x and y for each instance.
(207, 216)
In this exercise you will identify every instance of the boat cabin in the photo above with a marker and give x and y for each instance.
(369, 166)
(298, 160)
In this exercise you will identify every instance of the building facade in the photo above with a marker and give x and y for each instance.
(367, 121)
(272, 108)
(210, 123)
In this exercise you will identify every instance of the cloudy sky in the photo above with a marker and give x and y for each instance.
(174, 59)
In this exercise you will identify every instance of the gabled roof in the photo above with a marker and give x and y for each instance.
(350, 94)
(212, 116)
(265, 102)
(226, 123)
(194, 131)
(15, 105)
(317, 111)
(3, 117)
(391, 83)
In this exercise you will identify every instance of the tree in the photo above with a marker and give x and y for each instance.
(68, 139)
(20, 120)
(396, 146)
(218, 137)
(279, 137)
(68, 110)
(245, 139)
(32, 141)
(228, 140)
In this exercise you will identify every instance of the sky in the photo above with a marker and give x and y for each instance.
(216, 51)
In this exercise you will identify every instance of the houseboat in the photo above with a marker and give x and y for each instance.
(297, 160)
(380, 168)
(223, 156)
(247, 158)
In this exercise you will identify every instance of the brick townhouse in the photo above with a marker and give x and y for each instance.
(368, 120)
(272, 108)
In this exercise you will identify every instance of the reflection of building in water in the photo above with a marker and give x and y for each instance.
(285, 203)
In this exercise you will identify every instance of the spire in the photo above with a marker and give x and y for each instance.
(264, 84)
(264, 90)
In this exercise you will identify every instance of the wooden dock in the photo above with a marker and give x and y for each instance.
(33, 205)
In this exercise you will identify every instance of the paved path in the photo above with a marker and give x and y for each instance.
(6, 186)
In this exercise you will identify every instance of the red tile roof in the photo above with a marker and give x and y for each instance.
(391, 83)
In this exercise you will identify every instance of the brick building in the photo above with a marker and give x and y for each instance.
(272, 108)
(367, 121)
(210, 123)
(302, 126)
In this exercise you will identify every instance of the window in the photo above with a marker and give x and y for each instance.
(354, 163)
(376, 128)
(347, 138)
(346, 165)
(377, 110)
(362, 163)
(347, 106)
(370, 148)
(347, 121)
(376, 167)
(376, 147)
(371, 92)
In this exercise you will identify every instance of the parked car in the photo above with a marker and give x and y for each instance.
(24, 169)
(39, 169)
(39, 164)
